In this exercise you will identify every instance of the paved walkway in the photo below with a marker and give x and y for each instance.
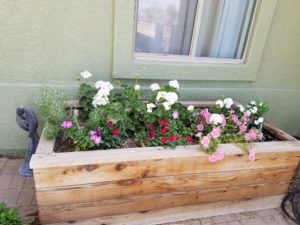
(18, 192)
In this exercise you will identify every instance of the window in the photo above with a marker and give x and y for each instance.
(188, 55)
(193, 29)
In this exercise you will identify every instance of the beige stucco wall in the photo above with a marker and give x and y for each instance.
(44, 42)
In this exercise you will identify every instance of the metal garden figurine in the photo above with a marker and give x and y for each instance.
(27, 120)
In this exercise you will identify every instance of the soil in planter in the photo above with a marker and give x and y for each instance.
(67, 145)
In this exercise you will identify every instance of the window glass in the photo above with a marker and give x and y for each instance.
(203, 28)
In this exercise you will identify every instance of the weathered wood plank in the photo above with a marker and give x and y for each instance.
(139, 154)
(101, 172)
(145, 186)
(45, 146)
(278, 133)
(155, 202)
(184, 212)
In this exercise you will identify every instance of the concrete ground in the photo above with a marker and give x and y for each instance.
(18, 192)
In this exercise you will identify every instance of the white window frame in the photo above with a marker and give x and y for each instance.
(193, 46)
(126, 65)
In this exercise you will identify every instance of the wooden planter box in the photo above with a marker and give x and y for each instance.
(79, 185)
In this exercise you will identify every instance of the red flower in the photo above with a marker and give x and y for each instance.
(116, 132)
(150, 127)
(171, 138)
(163, 131)
(189, 139)
(164, 122)
(153, 134)
(110, 123)
(149, 137)
(177, 138)
(163, 140)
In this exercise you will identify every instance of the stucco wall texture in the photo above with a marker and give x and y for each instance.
(43, 42)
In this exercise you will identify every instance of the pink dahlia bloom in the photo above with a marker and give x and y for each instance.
(200, 127)
(220, 155)
(252, 155)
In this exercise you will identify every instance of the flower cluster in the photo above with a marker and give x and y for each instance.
(113, 119)
(102, 96)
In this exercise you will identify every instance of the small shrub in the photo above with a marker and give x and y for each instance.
(9, 216)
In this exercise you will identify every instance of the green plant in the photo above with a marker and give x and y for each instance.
(9, 216)
(52, 111)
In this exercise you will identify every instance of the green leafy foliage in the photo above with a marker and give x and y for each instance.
(52, 110)
(9, 216)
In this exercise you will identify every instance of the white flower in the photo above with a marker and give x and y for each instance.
(248, 113)
(76, 112)
(215, 119)
(190, 108)
(241, 108)
(253, 110)
(220, 103)
(259, 120)
(100, 100)
(253, 103)
(174, 84)
(160, 95)
(167, 105)
(86, 74)
(154, 87)
(103, 91)
(171, 97)
(150, 106)
(137, 87)
(228, 102)
(261, 104)
(104, 85)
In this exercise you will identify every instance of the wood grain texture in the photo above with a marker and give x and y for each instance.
(145, 186)
(176, 214)
(188, 164)
(157, 201)
(45, 146)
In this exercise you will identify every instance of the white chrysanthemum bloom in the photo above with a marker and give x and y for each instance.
(253, 110)
(86, 74)
(215, 119)
(171, 97)
(174, 84)
(253, 103)
(167, 105)
(260, 119)
(154, 87)
(241, 108)
(190, 108)
(220, 103)
(228, 103)
(150, 106)
(137, 87)
(160, 95)
(104, 85)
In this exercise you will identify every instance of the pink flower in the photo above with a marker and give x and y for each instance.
(223, 120)
(220, 155)
(175, 114)
(97, 140)
(215, 132)
(67, 124)
(243, 128)
(205, 115)
(251, 155)
(253, 134)
(200, 127)
(248, 137)
(205, 141)
(234, 118)
(213, 158)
